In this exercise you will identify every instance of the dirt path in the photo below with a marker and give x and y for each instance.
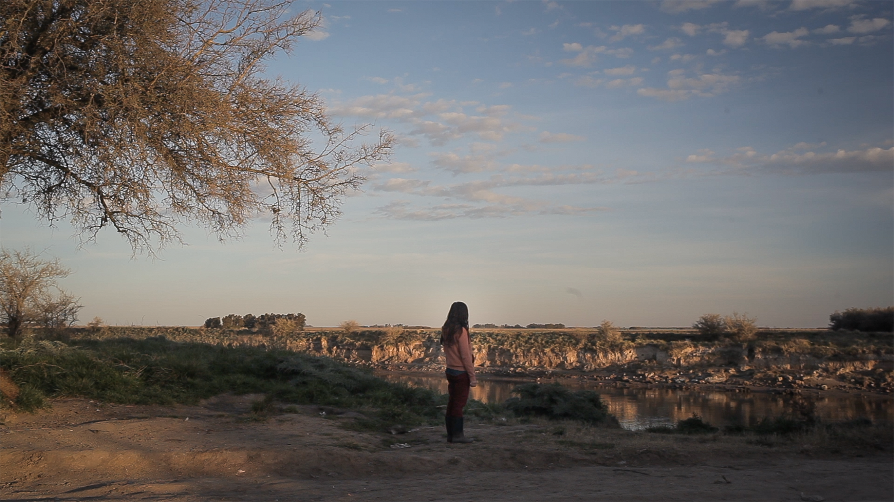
(83, 451)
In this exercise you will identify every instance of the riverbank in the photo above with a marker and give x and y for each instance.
(791, 361)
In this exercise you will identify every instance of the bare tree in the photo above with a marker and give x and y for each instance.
(27, 284)
(139, 115)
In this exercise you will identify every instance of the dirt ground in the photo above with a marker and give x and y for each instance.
(82, 450)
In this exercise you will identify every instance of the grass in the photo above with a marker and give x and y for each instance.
(156, 370)
(160, 371)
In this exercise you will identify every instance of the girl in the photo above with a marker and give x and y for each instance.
(460, 368)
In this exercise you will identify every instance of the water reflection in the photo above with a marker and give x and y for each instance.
(641, 408)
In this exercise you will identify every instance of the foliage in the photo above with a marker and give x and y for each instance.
(741, 327)
(711, 326)
(866, 320)
(27, 285)
(291, 323)
(140, 115)
(349, 326)
(546, 326)
(557, 402)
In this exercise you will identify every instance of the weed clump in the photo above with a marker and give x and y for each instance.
(556, 402)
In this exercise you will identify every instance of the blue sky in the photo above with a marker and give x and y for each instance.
(641, 162)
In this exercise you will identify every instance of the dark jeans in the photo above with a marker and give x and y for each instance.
(458, 390)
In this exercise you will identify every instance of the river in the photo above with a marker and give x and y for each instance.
(638, 408)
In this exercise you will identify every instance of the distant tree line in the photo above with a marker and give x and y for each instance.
(249, 321)
(854, 319)
(519, 326)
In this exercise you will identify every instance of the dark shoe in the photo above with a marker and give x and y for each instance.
(458, 436)
(449, 422)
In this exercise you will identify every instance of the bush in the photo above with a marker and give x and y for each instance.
(349, 326)
(741, 327)
(691, 425)
(866, 320)
(556, 402)
(710, 325)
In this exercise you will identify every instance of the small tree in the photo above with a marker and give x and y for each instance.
(349, 326)
(231, 321)
(608, 333)
(285, 327)
(27, 287)
(96, 323)
(741, 327)
(212, 323)
(710, 325)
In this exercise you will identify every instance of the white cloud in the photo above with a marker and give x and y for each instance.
(550, 5)
(623, 82)
(621, 32)
(670, 43)
(623, 70)
(478, 199)
(791, 38)
(827, 30)
(760, 4)
(681, 87)
(529, 32)
(678, 6)
(561, 137)
(819, 4)
(842, 41)
(685, 58)
(690, 29)
(735, 38)
(588, 81)
(712, 52)
(663, 94)
(861, 26)
(394, 167)
(318, 33)
(402, 185)
(440, 121)
(457, 164)
(803, 159)
(588, 55)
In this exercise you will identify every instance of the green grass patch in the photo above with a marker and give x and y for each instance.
(159, 371)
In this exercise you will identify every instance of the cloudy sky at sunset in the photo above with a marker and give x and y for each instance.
(641, 162)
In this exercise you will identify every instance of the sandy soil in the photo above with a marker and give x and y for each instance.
(81, 450)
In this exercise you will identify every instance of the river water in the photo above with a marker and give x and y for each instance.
(638, 408)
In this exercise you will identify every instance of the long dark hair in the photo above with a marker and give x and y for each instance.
(457, 319)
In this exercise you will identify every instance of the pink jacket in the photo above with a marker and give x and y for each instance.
(459, 355)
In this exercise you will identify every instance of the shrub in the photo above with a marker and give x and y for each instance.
(349, 326)
(710, 325)
(285, 327)
(691, 425)
(741, 327)
(609, 334)
(212, 323)
(556, 402)
(877, 320)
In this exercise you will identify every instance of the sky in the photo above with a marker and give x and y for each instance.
(561, 162)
